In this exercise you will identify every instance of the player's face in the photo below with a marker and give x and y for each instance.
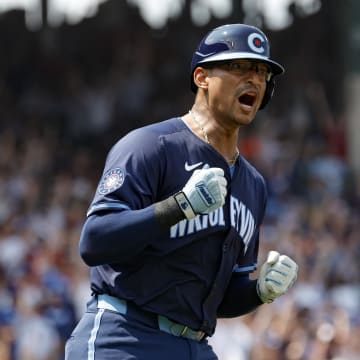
(236, 89)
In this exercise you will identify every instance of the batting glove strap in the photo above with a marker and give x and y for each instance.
(184, 205)
(277, 276)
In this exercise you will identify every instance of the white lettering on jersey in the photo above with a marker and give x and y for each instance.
(241, 219)
(201, 222)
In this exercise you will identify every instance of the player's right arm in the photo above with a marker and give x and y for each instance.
(115, 236)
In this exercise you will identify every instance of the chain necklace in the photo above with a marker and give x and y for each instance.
(204, 134)
(230, 162)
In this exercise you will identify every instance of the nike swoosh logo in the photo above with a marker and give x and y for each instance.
(193, 166)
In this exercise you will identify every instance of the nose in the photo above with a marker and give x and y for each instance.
(254, 78)
(255, 73)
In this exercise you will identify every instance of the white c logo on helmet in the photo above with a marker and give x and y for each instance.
(255, 42)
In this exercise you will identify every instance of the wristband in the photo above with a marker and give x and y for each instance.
(184, 205)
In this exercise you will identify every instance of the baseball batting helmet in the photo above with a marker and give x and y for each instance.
(236, 41)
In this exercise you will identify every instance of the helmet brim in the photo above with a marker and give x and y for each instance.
(276, 68)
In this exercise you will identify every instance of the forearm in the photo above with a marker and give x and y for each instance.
(240, 298)
(116, 237)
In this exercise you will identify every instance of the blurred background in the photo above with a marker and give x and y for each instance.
(75, 76)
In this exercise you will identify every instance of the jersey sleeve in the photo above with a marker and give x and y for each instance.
(132, 173)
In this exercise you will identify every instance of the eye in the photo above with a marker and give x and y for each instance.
(262, 68)
(240, 67)
(265, 71)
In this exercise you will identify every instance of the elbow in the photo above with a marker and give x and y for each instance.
(87, 249)
(87, 256)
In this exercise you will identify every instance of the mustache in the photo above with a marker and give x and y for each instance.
(247, 87)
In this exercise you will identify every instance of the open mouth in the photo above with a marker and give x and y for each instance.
(247, 99)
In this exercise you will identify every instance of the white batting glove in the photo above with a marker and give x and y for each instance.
(204, 192)
(277, 275)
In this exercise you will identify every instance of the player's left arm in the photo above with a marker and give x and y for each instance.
(277, 276)
(240, 298)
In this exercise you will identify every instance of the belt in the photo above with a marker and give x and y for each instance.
(164, 324)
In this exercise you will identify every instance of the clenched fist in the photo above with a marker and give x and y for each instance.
(204, 192)
(277, 275)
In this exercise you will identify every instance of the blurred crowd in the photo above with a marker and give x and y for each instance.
(67, 94)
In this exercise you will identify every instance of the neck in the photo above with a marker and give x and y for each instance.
(224, 142)
(201, 127)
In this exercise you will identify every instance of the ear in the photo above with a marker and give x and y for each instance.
(201, 78)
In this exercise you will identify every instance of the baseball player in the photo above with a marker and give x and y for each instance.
(172, 233)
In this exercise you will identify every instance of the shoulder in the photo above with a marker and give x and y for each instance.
(147, 139)
(156, 130)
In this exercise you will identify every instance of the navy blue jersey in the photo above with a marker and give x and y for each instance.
(184, 273)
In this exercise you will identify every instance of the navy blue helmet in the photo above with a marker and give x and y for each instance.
(236, 41)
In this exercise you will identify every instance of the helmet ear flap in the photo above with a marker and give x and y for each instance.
(269, 91)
